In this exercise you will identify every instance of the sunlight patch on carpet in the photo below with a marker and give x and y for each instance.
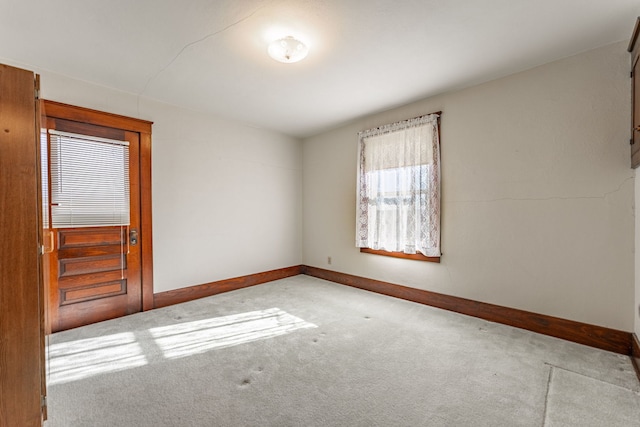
(76, 360)
(186, 339)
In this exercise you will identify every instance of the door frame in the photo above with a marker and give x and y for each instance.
(57, 110)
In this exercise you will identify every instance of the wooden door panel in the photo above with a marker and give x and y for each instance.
(95, 273)
(21, 336)
(87, 312)
(81, 280)
(91, 264)
(91, 292)
(84, 237)
(90, 251)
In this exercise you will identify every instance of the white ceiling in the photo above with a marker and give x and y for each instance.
(365, 55)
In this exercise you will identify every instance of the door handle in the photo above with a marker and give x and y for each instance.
(49, 242)
(133, 237)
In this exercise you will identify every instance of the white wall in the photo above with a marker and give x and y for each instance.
(227, 197)
(537, 193)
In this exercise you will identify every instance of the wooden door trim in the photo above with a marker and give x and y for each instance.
(52, 109)
(41, 281)
(146, 238)
(101, 118)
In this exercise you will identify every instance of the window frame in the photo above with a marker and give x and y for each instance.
(417, 256)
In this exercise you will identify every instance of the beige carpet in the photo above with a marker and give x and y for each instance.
(306, 352)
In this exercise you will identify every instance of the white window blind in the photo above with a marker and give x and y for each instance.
(89, 181)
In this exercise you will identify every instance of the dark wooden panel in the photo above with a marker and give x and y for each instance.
(88, 293)
(83, 237)
(87, 265)
(91, 279)
(89, 129)
(85, 313)
(176, 296)
(20, 306)
(582, 333)
(92, 251)
(635, 354)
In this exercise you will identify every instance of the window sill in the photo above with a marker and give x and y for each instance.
(416, 257)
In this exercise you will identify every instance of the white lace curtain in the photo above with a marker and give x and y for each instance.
(398, 205)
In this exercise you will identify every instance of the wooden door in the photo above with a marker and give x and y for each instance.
(95, 269)
(21, 307)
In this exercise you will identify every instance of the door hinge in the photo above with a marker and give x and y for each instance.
(43, 401)
(37, 93)
(631, 141)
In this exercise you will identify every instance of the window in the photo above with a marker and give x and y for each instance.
(398, 204)
(89, 181)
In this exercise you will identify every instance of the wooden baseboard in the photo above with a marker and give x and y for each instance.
(595, 336)
(635, 353)
(582, 333)
(163, 299)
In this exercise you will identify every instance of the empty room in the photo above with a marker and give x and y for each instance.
(319, 213)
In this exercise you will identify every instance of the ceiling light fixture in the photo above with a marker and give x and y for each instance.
(288, 49)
